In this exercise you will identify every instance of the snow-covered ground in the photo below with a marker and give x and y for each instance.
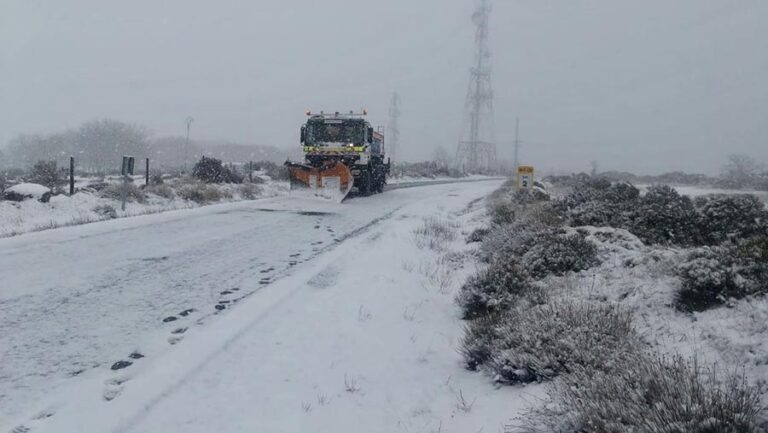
(417, 179)
(88, 206)
(279, 315)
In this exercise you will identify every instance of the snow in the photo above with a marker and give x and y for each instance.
(350, 329)
(642, 278)
(29, 189)
(84, 207)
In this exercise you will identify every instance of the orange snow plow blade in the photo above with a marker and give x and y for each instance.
(332, 181)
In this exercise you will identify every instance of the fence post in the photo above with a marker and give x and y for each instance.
(146, 175)
(250, 171)
(71, 175)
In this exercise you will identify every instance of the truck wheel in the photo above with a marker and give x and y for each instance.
(365, 183)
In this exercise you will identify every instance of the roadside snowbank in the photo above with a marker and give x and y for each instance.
(88, 206)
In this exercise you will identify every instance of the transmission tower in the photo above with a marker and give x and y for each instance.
(476, 151)
(393, 130)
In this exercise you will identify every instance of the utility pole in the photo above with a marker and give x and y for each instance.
(393, 131)
(476, 152)
(517, 144)
(188, 121)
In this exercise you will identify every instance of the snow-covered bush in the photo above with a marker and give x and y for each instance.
(552, 253)
(249, 191)
(528, 196)
(24, 191)
(494, 289)
(478, 234)
(211, 170)
(598, 202)
(726, 216)
(663, 216)
(711, 275)
(274, 171)
(537, 342)
(479, 337)
(105, 211)
(651, 394)
(502, 212)
(132, 192)
(434, 233)
(161, 189)
(45, 173)
(199, 192)
(3, 183)
(706, 277)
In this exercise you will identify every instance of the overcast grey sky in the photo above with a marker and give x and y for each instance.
(643, 85)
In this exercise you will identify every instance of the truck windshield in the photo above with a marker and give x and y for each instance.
(331, 131)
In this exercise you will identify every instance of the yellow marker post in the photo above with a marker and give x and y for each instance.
(524, 177)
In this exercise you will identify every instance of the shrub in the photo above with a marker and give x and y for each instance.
(479, 337)
(274, 171)
(434, 233)
(663, 216)
(652, 394)
(106, 211)
(161, 190)
(249, 191)
(3, 183)
(597, 202)
(494, 289)
(551, 253)
(199, 192)
(45, 173)
(502, 241)
(156, 177)
(532, 343)
(114, 190)
(211, 170)
(728, 216)
(502, 212)
(711, 275)
(478, 235)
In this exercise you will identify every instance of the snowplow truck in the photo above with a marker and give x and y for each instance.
(342, 152)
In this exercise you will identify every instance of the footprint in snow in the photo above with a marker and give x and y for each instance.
(119, 365)
(179, 331)
(113, 388)
(170, 319)
(186, 312)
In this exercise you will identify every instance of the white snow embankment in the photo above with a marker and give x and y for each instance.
(88, 207)
(364, 337)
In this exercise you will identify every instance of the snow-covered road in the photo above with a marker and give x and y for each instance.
(76, 300)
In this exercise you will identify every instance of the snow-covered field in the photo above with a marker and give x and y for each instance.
(88, 206)
(278, 315)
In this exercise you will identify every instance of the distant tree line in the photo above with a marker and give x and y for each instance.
(99, 145)
(739, 172)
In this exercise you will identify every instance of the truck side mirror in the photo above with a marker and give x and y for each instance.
(303, 133)
(370, 135)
